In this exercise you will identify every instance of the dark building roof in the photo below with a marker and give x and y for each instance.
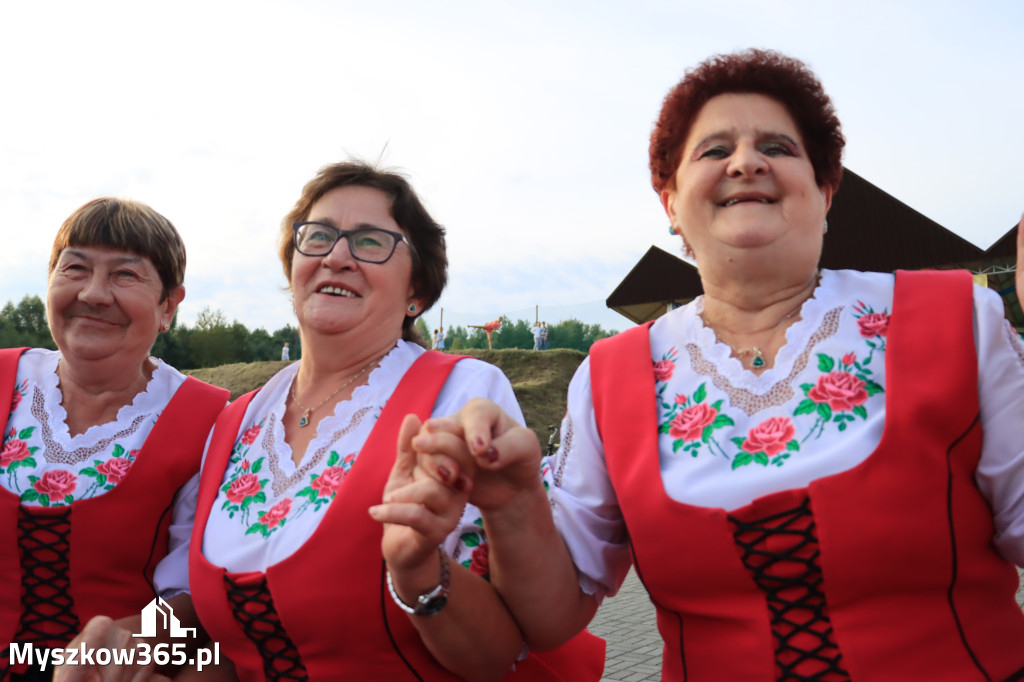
(869, 229)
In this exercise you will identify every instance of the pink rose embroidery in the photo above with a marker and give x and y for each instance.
(115, 468)
(690, 423)
(275, 515)
(56, 484)
(242, 487)
(245, 465)
(849, 359)
(14, 451)
(873, 324)
(250, 435)
(663, 370)
(329, 481)
(15, 400)
(479, 562)
(841, 390)
(770, 436)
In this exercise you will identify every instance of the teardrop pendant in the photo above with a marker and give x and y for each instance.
(305, 419)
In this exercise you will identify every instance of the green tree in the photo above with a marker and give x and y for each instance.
(212, 342)
(25, 324)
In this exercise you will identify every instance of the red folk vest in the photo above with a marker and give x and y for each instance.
(97, 556)
(327, 605)
(897, 553)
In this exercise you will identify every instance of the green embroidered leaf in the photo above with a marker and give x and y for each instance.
(806, 387)
(89, 471)
(101, 480)
(742, 460)
(260, 497)
(676, 445)
(33, 479)
(872, 344)
(665, 427)
(246, 502)
(118, 450)
(479, 522)
(470, 539)
(257, 465)
(873, 388)
(69, 499)
(109, 487)
(825, 363)
(807, 406)
(761, 458)
(722, 420)
(227, 503)
(29, 496)
(842, 426)
(792, 446)
(254, 528)
(700, 394)
(705, 435)
(32, 449)
(333, 459)
(824, 411)
(860, 411)
(263, 482)
(717, 405)
(466, 563)
(307, 492)
(738, 441)
(26, 433)
(44, 500)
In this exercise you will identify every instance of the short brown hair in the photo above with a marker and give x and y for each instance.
(429, 258)
(128, 225)
(763, 72)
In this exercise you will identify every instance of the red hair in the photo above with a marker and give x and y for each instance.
(761, 72)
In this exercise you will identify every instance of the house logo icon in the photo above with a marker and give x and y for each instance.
(159, 609)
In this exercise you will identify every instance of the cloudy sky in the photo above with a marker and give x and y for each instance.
(523, 125)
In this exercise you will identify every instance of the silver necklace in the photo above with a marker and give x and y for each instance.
(306, 411)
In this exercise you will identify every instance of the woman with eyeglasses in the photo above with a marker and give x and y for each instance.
(289, 572)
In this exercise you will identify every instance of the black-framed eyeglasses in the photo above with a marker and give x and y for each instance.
(367, 244)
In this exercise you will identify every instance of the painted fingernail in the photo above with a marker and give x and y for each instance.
(491, 454)
(444, 473)
(478, 443)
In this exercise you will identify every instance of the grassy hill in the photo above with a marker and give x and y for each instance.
(539, 380)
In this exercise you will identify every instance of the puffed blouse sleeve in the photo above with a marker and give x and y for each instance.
(1000, 473)
(583, 501)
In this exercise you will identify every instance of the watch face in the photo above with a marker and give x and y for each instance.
(432, 605)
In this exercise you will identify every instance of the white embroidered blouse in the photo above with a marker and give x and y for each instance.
(44, 465)
(728, 436)
(268, 506)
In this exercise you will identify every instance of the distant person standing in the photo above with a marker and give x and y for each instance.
(536, 331)
(440, 339)
(543, 335)
(285, 352)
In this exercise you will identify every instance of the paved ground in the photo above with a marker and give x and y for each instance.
(627, 623)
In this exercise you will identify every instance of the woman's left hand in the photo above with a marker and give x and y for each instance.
(418, 512)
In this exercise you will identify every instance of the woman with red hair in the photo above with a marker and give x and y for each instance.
(794, 463)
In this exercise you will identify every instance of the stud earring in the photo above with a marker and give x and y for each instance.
(671, 229)
(826, 226)
(412, 307)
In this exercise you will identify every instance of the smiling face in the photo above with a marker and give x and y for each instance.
(337, 293)
(105, 303)
(745, 182)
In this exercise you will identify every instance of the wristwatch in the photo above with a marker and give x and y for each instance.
(429, 603)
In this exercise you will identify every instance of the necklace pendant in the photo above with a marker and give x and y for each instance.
(758, 360)
(305, 419)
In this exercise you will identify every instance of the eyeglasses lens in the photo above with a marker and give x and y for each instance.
(366, 244)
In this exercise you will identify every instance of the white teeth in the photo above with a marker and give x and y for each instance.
(732, 202)
(337, 291)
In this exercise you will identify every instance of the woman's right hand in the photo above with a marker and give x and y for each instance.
(482, 449)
